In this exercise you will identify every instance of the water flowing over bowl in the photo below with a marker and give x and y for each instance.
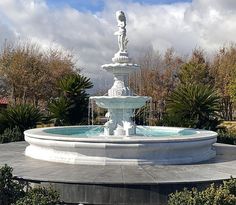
(120, 102)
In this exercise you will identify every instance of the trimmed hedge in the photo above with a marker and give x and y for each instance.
(227, 132)
(224, 194)
(227, 136)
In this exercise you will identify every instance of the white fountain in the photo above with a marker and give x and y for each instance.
(120, 141)
(120, 101)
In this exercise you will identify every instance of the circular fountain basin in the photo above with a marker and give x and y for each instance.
(151, 145)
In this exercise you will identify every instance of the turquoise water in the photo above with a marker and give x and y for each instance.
(95, 131)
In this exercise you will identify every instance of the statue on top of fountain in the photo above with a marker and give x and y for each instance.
(121, 33)
(122, 55)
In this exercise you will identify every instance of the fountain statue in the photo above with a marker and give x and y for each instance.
(121, 33)
(119, 141)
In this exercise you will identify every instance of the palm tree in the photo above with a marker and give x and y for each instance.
(194, 105)
(23, 116)
(71, 107)
(59, 109)
(74, 84)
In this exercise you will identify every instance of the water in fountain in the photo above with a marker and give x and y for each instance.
(89, 111)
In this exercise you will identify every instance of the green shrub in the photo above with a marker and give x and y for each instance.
(3, 121)
(10, 190)
(60, 109)
(40, 196)
(224, 194)
(227, 137)
(71, 107)
(185, 197)
(193, 105)
(24, 116)
(11, 135)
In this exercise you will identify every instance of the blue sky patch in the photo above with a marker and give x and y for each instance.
(98, 5)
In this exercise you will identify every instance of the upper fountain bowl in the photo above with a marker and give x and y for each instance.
(117, 68)
(120, 102)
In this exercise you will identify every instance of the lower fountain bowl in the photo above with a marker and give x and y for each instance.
(70, 145)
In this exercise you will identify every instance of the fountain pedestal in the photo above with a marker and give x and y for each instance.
(120, 102)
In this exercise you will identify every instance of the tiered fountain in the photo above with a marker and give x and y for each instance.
(120, 101)
(120, 141)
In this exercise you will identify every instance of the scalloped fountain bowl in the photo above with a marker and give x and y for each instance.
(150, 145)
(120, 102)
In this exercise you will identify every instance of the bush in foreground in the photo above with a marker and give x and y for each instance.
(39, 196)
(13, 193)
(10, 190)
(224, 194)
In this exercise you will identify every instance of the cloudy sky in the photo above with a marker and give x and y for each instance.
(86, 27)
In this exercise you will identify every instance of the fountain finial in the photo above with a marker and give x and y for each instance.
(122, 55)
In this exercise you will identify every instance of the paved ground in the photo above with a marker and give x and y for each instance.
(222, 167)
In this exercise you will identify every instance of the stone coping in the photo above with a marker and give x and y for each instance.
(199, 136)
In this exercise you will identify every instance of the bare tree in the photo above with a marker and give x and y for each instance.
(158, 74)
(30, 73)
(223, 69)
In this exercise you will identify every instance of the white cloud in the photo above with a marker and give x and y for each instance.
(182, 26)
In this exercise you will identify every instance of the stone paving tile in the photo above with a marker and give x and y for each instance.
(162, 173)
(227, 157)
(78, 174)
(185, 173)
(110, 174)
(136, 174)
(201, 172)
(226, 168)
(68, 174)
